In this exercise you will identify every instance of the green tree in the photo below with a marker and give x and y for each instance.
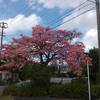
(39, 74)
(94, 54)
(25, 72)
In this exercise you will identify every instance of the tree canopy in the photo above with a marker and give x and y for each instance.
(45, 46)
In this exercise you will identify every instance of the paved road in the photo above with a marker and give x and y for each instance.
(40, 98)
(45, 98)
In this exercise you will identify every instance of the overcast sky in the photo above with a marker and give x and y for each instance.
(22, 15)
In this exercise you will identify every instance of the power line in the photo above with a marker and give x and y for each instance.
(70, 14)
(66, 15)
(92, 1)
(28, 11)
(70, 11)
(74, 17)
(73, 10)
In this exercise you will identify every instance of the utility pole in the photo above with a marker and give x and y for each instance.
(98, 32)
(3, 26)
(89, 85)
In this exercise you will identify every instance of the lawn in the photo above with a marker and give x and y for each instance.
(5, 98)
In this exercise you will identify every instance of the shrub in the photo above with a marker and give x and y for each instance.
(95, 90)
(38, 92)
(68, 90)
(10, 90)
(26, 72)
(39, 74)
(22, 90)
(76, 89)
(79, 88)
(59, 90)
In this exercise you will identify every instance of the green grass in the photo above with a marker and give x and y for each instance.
(6, 98)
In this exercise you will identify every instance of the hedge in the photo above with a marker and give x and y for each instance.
(77, 89)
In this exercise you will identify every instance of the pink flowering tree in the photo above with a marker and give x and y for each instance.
(45, 46)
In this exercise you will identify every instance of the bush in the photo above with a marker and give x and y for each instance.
(79, 88)
(76, 89)
(24, 90)
(59, 90)
(39, 74)
(39, 92)
(26, 72)
(10, 90)
(14, 90)
(95, 90)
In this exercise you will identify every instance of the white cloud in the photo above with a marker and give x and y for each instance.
(90, 39)
(34, 4)
(87, 24)
(62, 4)
(83, 22)
(22, 23)
(50, 4)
